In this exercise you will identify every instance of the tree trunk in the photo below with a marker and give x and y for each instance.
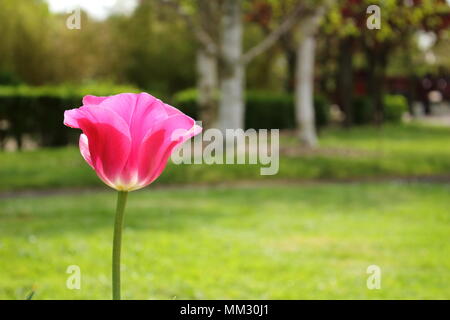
(345, 79)
(304, 92)
(207, 87)
(290, 55)
(411, 87)
(377, 60)
(231, 106)
(291, 58)
(304, 87)
(380, 89)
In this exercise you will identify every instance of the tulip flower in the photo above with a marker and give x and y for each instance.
(127, 139)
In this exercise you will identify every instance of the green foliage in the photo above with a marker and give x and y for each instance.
(348, 18)
(38, 111)
(9, 78)
(322, 110)
(156, 51)
(269, 110)
(186, 101)
(65, 91)
(394, 107)
(26, 30)
(263, 109)
(362, 110)
(151, 48)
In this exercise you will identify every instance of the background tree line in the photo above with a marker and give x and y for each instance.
(301, 48)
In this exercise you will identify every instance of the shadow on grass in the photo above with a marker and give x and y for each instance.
(179, 209)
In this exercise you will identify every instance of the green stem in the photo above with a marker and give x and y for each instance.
(117, 243)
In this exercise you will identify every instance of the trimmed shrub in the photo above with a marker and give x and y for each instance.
(9, 78)
(322, 109)
(394, 107)
(186, 101)
(362, 110)
(38, 111)
(264, 110)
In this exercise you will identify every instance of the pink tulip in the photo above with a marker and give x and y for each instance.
(128, 138)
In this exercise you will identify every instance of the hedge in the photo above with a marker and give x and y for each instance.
(264, 110)
(394, 107)
(38, 111)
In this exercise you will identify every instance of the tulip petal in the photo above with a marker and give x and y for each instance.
(108, 137)
(93, 100)
(165, 157)
(140, 111)
(84, 149)
(171, 111)
(147, 112)
(158, 145)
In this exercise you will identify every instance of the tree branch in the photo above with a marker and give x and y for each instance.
(204, 39)
(273, 36)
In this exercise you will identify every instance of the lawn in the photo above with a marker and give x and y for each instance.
(366, 152)
(283, 242)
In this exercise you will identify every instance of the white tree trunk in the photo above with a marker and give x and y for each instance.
(207, 87)
(304, 92)
(304, 86)
(231, 106)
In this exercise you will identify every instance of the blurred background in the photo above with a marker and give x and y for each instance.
(360, 91)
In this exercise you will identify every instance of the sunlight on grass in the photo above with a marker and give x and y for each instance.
(365, 152)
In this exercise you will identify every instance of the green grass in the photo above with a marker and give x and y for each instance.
(292, 242)
(408, 150)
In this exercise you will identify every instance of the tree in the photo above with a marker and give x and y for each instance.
(24, 25)
(207, 62)
(304, 85)
(228, 51)
(300, 57)
(203, 18)
(231, 108)
(399, 21)
(300, 60)
(267, 14)
(159, 55)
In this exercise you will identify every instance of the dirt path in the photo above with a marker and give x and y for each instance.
(442, 179)
(440, 116)
(443, 120)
